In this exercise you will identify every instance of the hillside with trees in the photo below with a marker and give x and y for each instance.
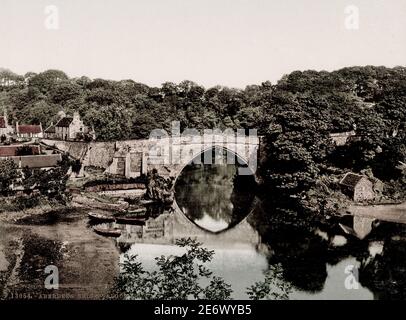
(295, 116)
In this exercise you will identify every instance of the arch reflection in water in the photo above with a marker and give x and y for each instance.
(214, 196)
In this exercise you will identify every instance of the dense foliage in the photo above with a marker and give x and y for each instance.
(35, 183)
(180, 277)
(295, 116)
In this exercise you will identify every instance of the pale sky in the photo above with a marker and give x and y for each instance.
(226, 42)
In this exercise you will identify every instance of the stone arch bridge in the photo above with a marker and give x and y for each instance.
(168, 155)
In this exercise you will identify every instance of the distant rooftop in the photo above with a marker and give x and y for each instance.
(29, 128)
(41, 161)
(351, 179)
(11, 151)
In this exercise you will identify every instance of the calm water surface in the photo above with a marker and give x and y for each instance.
(219, 208)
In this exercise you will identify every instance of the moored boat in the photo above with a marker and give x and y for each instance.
(130, 220)
(97, 216)
(107, 232)
(147, 201)
(139, 212)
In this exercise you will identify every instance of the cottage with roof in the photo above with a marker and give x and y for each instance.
(5, 128)
(68, 128)
(342, 138)
(358, 187)
(29, 131)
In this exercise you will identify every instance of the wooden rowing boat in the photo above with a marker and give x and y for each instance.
(108, 232)
(100, 217)
(130, 220)
(137, 211)
(145, 202)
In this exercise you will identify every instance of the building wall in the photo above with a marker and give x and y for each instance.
(48, 135)
(62, 133)
(76, 127)
(340, 139)
(8, 130)
(30, 135)
(364, 190)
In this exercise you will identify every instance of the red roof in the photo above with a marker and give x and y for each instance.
(28, 128)
(11, 151)
(41, 161)
(2, 122)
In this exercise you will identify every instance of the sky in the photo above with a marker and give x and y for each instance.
(211, 42)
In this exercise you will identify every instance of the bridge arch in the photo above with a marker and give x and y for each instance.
(225, 153)
(238, 159)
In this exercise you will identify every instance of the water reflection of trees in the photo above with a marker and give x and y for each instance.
(216, 191)
(290, 236)
(304, 256)
(385, 273)
(299, 251)
(294, 244)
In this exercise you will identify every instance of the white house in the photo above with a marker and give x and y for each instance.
(68, 128)
(5, 128)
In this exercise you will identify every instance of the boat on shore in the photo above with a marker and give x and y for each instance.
(107, 232)
(137, 211)
(100, 217)
(147, 201)
(131, 220)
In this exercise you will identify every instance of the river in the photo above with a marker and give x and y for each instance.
(219, 208)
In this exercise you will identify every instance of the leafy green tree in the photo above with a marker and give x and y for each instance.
(47, 80)
(273, 287)
(50, 183)
(180, 278)
(9, 175)
(177, 277)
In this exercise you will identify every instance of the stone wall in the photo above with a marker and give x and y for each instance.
(364, 190)
(133, 157)
(97, 154)
(341, 138)
(116, 186)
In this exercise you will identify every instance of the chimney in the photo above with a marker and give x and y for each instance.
(76, 116)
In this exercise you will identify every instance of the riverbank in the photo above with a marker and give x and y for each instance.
(88, 201)
(87, 263)
(14, 216)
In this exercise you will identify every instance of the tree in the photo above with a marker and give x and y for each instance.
(111, 122)
(273, 287)
(179, 278)
(50, 183)
(24, 151)
(9, 175)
